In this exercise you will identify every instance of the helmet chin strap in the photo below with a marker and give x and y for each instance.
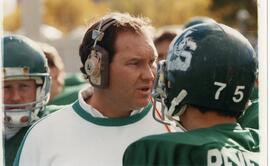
(171, 120)
(178, 122)
(182, 94)
(9, 132)
(180, 126)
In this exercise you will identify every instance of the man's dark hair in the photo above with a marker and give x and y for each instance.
(229, 113)
(165, 36)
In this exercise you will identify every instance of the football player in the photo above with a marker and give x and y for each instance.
(205, 85)
(26, 87)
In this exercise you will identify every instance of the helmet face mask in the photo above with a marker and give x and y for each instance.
(21, 115)
(161, 87)
(24, 60)
(208, 65)
(159, 91)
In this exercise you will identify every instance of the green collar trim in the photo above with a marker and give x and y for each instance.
(229, 126)
(110, 121)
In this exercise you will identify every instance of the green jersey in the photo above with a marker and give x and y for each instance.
(226, 144)
(12, 144)
(74, 79)
(250, 118)
(254, 94)
(73, 84)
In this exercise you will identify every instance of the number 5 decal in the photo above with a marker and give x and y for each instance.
(238, 94)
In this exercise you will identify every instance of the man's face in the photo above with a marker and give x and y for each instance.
(132, 71)
(19, 91)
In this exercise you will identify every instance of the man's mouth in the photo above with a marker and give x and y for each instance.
(145, 90)
(15, 108)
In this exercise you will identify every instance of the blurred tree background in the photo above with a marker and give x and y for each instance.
(66, 15)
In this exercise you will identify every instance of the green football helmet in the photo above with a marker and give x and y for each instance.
(208, 65)
(22, 60)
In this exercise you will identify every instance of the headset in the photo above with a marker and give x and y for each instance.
(97, 64)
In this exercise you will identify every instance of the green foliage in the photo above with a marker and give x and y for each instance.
(12, 22)
(163, 12)
(68, 14)
(227, 10)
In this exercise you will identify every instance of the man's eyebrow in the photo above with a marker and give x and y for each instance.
(137, 58)
(133, 58)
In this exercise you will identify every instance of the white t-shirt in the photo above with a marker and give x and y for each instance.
(79, 135)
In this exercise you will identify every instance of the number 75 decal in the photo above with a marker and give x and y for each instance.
(238, 93)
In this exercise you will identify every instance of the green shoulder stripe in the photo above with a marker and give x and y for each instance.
(110, 121)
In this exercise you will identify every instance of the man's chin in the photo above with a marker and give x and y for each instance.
(142, 103)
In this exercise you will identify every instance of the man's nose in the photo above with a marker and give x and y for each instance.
(16, 95)
(149, 73)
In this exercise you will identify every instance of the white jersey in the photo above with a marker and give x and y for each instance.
(78, 135)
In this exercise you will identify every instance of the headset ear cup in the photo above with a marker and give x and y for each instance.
(90, 63)
(97, 67)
